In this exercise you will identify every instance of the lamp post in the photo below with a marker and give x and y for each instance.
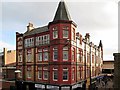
(16, 72)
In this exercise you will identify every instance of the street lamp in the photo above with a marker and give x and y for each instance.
(16, 72)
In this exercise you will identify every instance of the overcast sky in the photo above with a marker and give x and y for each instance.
(97, 17)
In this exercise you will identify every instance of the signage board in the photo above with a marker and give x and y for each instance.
(53, 87)
(39, 86)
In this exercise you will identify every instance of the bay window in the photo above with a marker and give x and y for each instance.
(65, 53)
(65, 74)
(65, 32)
(45, 54)
(55, 74)
(55, 33)
(55, 54)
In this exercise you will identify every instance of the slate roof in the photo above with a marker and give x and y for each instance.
(37, 30)
(62, 12)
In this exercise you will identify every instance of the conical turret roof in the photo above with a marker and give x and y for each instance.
(62, 12)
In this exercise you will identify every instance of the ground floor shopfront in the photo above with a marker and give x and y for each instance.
(82, 85)
(22, 85)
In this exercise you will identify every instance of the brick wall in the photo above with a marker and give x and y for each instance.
(9, 56)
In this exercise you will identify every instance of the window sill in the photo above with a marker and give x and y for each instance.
(65, 80)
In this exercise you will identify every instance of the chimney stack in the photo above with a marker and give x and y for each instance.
(30, 27)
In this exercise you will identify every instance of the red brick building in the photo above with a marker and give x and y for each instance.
(56, 56)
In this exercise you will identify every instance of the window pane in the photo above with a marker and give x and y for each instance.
(65, 55)
(65, 33)
(29, 74)
(55, 55)
(45, 55)
(39, 74)
(73, 54)
(55, 34)
(65, 74)
(40, 56)
(29, 57)
(55, 75)
(45, 75)
(40, 40)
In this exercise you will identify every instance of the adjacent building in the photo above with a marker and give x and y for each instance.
(116, 82)
(108, 67)
(7, 68)
(56, 55)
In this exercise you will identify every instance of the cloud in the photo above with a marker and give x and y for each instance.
(25, 11)
(94, 15)
(108, 53)
(100, 19)
(89, 14)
